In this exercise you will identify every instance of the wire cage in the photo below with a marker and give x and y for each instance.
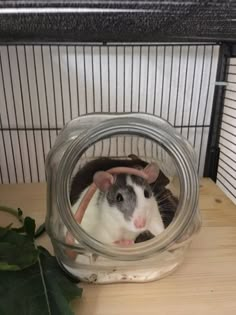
(96, 60)
(44, 87)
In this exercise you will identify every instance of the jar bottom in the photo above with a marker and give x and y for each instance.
(91, 268)
(126, 276)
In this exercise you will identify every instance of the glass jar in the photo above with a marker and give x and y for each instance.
(117, 136)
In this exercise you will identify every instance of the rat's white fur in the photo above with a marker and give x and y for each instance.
(107, 223)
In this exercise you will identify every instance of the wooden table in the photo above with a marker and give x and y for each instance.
(205, 284)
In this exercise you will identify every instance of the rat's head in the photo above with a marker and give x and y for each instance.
(129, 196)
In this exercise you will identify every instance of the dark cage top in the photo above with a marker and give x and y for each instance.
(118, 21)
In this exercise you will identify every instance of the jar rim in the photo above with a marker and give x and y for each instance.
(174, 145)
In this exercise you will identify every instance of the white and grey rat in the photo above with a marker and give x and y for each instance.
(122, 207)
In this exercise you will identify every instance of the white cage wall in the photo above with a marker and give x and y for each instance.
(226, 173)
(44, 86)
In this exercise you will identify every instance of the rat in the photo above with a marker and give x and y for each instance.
(123, 206)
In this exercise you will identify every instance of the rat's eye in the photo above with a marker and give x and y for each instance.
(119, 198)
(147, 193)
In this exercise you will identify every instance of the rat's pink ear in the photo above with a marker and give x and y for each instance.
(103, 180)
(152, 170)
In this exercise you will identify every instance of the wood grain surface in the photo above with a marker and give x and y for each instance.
(205, 284)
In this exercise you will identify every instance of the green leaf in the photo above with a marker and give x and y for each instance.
(40, 230)
(4, 231)
(6, 266)
(27, 228)
(19, 230)
(16, 251)
(31, 281)
(29, 225)
(40, 289)
(17, 213)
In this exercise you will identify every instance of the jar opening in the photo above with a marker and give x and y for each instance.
(122, 137)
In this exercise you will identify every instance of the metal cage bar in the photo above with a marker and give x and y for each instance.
(44, 86)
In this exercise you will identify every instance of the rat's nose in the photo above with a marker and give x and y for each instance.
(140, 222)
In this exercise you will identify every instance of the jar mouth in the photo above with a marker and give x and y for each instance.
(174, 145)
